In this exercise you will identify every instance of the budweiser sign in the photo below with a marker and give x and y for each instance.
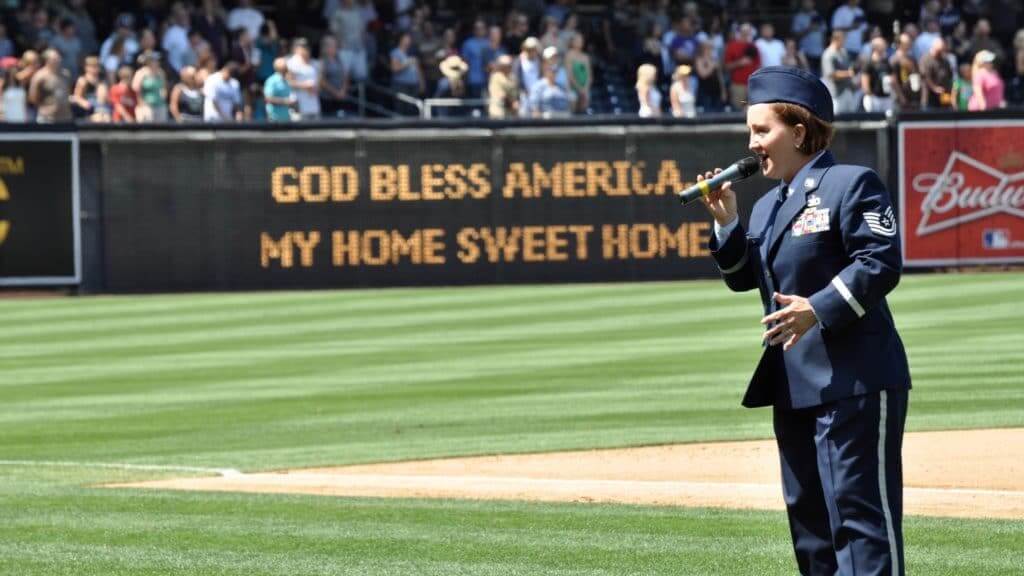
(962, 192)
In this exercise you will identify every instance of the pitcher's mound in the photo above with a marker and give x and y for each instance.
(966, 473)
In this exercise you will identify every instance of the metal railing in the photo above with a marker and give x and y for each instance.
(478, 105)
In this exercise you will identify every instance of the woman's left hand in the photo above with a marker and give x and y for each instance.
(791, 322)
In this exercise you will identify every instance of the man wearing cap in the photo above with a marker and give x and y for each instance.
(822, 249)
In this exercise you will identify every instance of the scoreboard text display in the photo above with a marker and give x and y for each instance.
(407, 208)
(39, 233)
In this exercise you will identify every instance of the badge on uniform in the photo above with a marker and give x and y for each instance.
(811, 221)
(882, 223)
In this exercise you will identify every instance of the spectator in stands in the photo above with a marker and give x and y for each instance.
(304, 79)
(495, 47)
(619, 32)
(959, 43)
(683, 47)
(69, 46)
(175, 41)
(222, 95)
(937, 73)
(948, 17)
(988, 93)
(122, 97)
(849, 18)
(334, 80)
(983, 40)
(38, 35)
(550, 33)
(269, 46)
(406, 75)
(570, 28)
(245, 16)
(6, 46)
(517, 29)
(245, 55)
(877, 78)
(49, 92)
(711, 93)
(907, 90)
(808, 27)
(838, 74)
(28, 65)
(150, 84)
(547, 98)
(89, 99)
(451, 85)
(277, 93)
(681, 97)
(84, 25)
(428, 45)
(205, 59)
(862, 57)
(923, 42)
(962, 87)
(741, 60)
(123, 34)
(15, 99)
(770, 48)
(794, 57)
(580, 72)
(558, 11)
(209, 22)
(474, 53)
(502, 92)
(715, 36)
(647, 93)
(527, 72)
(651, 49)
(186, 101)
(147, 46)
(349, 26)
(1015, 87)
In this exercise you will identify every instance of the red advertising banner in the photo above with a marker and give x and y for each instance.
(962, 192)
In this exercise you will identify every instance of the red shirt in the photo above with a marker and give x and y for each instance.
(124, 95)
(737, 49)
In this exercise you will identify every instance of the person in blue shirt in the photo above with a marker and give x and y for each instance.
(823, 250)
(475, 50)
(277, 93)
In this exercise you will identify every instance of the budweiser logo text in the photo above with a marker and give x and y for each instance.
(966, 190)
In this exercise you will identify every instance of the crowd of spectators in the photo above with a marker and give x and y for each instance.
(194, 61)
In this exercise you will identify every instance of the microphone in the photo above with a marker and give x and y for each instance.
(738, 171)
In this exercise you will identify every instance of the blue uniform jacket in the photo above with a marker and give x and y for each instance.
(833, 241)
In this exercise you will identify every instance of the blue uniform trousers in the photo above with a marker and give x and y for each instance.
(842, 483)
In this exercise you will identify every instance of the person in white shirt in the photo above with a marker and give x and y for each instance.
(175, 41)
(304, 79)
(849, 18)
(222, 96)
(245, 16)
(771, 48)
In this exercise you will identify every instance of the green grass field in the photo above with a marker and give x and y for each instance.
(288, 379)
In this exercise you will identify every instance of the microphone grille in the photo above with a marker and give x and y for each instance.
(748, 166)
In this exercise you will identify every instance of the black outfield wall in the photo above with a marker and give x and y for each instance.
(222, 210)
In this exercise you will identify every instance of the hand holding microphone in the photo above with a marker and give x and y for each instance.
(715, 189)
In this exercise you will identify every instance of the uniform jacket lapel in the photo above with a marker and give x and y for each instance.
(797, 200)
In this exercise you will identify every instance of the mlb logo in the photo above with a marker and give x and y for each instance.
(996, 239)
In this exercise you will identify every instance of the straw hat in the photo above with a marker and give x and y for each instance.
(681, 71)
(454, 67)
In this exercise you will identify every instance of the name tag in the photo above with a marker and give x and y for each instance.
(811, 221)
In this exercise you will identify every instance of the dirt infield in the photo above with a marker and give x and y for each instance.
(968, 473)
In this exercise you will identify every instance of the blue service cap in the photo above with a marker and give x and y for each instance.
(792, 85)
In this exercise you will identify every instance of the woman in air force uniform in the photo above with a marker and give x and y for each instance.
(822, 249)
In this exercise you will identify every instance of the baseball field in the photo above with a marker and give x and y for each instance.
(165, 434)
